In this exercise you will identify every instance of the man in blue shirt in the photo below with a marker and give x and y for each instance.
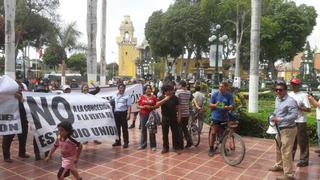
(122, 113)
(220, 103)
(284, 115)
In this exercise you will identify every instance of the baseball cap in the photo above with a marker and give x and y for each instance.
(295, 81)
(64, 87)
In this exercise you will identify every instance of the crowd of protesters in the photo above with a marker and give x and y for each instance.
(177, 103)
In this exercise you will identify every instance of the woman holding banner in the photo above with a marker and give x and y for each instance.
(85, 90)
(7, 139)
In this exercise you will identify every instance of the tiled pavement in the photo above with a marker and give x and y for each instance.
(104, 162)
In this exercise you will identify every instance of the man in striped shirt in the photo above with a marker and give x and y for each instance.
(184, 97)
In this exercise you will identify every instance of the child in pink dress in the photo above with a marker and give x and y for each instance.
(70, 151)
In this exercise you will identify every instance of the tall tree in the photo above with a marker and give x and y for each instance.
(92, 33)
(254, 56)
(233, 15)
(161, 42)
(65, 41)
(103, 43)
(189, 28)
(10, 9)
(180, 28)
(77, 62)
(284, 28)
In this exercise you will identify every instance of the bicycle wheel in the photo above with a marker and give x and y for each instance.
(233, 149)
(195, 135)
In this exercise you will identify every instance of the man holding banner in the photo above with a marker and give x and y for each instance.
(22, 137)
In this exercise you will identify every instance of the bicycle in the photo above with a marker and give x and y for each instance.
(232, 146)
(193, 128)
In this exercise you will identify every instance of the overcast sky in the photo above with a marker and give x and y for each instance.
(139, 10)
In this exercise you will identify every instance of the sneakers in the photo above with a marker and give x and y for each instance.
(164, 151)
(131, 126)
(210, 152)
(86, 142)
(317, 151)
(153, 149)
(125, 145)
(117, 143)
(276, 168)
(302, 164)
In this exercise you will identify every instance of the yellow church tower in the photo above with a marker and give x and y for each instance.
(127, 48)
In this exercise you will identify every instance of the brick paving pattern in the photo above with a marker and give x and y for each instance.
(105, 162)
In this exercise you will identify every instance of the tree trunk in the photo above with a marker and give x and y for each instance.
(103, 43)
(10, 11)
(254, 56)
(92, 33)
(237, 77)
(63, 72)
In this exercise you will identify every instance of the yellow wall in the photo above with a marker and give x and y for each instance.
(127, 56)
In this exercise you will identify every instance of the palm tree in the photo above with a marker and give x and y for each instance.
(254, 56)
(66, 41)
(10, 11)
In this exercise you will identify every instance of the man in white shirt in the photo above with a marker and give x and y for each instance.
(302, 138)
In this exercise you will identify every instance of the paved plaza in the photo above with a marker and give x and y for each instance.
(104, 162)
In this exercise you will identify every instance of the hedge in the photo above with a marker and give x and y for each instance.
(256, 125)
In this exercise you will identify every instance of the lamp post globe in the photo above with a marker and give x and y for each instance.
(218, 37)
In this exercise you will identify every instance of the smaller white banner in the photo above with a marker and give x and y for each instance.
(10, 122)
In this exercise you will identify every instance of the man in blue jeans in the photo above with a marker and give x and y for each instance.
(220, 103)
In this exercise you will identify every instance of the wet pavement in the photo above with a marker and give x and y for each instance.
(105, 162)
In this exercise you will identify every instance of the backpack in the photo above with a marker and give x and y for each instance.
(153, 121)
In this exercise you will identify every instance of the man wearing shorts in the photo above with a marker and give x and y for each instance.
(220, 103)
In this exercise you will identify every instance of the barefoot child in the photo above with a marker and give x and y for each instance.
(70, 151)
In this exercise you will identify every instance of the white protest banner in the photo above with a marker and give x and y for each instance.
(91, 117)
(10, 122)
(134, 91)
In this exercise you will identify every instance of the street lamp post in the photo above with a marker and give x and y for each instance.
(218, 37)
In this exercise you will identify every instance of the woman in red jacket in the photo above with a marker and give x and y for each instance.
(145, 104)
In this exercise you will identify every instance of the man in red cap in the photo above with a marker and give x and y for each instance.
(303, 106)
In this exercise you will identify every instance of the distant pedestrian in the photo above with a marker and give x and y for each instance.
(70, 151)
(198, 103)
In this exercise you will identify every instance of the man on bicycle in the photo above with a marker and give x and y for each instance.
(220, 103)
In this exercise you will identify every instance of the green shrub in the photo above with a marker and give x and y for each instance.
(256, 124)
